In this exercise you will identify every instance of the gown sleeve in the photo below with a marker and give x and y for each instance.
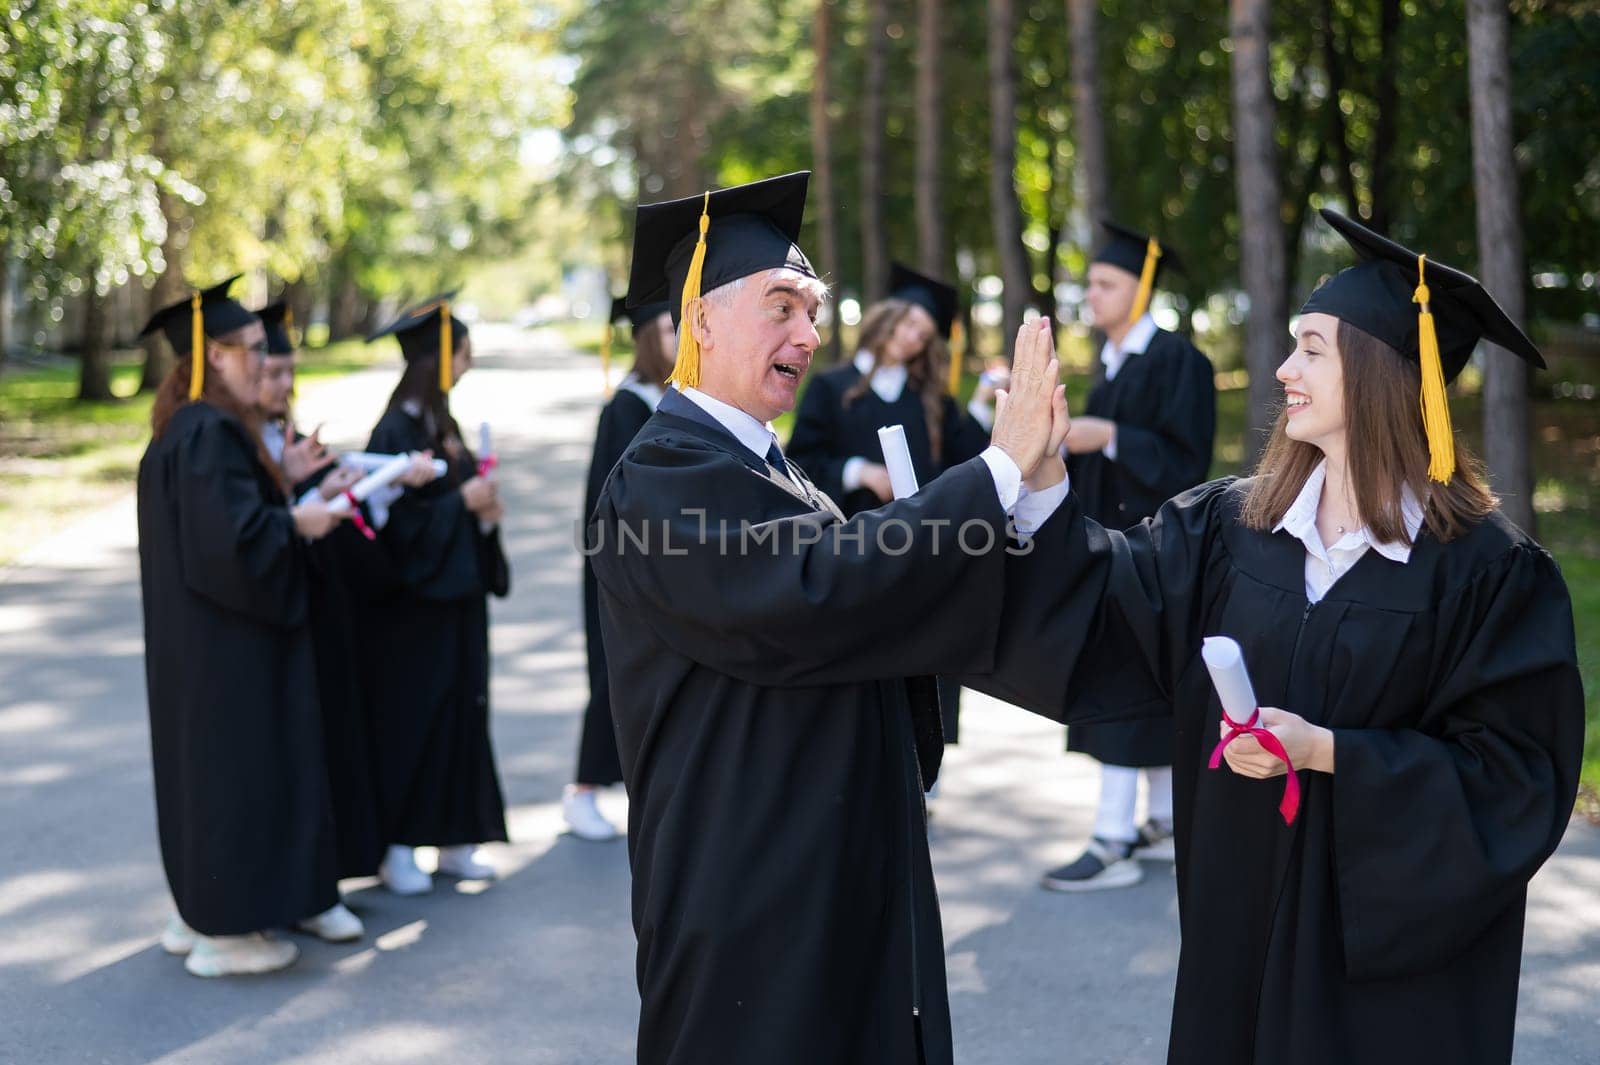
(1100, 624)
(1438, 829)
(238, 548)
(806, 599)
(813, 445)
(1174, 451)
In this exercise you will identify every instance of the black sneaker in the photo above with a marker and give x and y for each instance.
(1102, 865)
(1155, 842)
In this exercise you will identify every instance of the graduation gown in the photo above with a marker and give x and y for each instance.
(1164, 402)
(827, 434)
(1385, 925)
(426, 645)
(598, 762)
(782, 892)
(235, 726)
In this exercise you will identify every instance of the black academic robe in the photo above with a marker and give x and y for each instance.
(1164, 402)
(782, 892)
(1385, 925)
(235, 726)
(598, 762)
(426, 642)
(827, 434)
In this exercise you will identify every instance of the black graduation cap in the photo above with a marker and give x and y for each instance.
(1430, 313)
(931, 294)
(750, 228)
(1377, 296)
(186, 324)
(636, 316)
(279, 321)
(1127, 249)
(428, 329)
(218, 315)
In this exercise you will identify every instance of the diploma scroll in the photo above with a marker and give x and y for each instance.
(1241, 713)
(386, 474)
(487, 461)
(371, 461)
(897, 457)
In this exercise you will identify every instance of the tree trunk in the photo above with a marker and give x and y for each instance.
(1387, 100)
(344, 306)
(1333, 62)
(5, 301)
(874, 116)
(1500, 260)
(168, 289)
(1088, 121)
(1260, 214)
(94, 379)
(822, 166)
(933, 256)
(1005, 210)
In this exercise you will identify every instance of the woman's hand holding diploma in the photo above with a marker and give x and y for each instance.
(1308, 746)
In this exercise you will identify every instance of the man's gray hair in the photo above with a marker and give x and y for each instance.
(724, 295)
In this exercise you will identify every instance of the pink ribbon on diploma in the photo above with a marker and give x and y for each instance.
(487, 464)
(1290, 806)
(356, 518)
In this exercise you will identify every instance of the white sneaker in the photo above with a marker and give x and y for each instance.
(464, 862)
(178, 938)
(337, 925)
(400, 874)
(243, 955)
(582, 814)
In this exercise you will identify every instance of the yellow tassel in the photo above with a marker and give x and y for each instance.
(605, 358)
(446, 346)
(957, 339)
(1435, 403)
(686, 371)
(197, 348)
(1147, 281)
(288, 325)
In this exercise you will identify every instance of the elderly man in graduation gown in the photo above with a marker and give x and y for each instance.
(774, 752)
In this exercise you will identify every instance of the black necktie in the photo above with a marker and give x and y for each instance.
(775, 457)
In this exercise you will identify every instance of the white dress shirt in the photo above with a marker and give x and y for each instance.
(1326, 563)
(1114, 356)
(889, 382)
(650, 393)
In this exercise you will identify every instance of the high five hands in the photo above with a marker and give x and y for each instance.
(1031, 419)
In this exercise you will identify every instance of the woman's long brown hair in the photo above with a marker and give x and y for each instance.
(419, 384)
(174, 394)
(925, 372)
(652, 362)
(1385, 448)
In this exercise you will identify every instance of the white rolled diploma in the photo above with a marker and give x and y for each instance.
(897, 457)
(485, 449)
(371, 461)
(384, 475)
(1225, 661)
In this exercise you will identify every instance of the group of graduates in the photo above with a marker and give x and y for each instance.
(317, 664)
(1352, 855)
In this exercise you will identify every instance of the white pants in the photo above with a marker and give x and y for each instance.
(1119, 794)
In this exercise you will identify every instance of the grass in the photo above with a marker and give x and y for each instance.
(61, 459)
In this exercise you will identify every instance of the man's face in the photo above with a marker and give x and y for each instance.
(755, 351)
(1111, 293)
(277, 386)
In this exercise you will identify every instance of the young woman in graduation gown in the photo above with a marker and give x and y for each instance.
(1413, 652)
(426, 639)
(898, 377)
(621, 418)
(235, 727)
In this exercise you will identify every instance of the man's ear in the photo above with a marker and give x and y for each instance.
(698, 322)
(215, 354)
